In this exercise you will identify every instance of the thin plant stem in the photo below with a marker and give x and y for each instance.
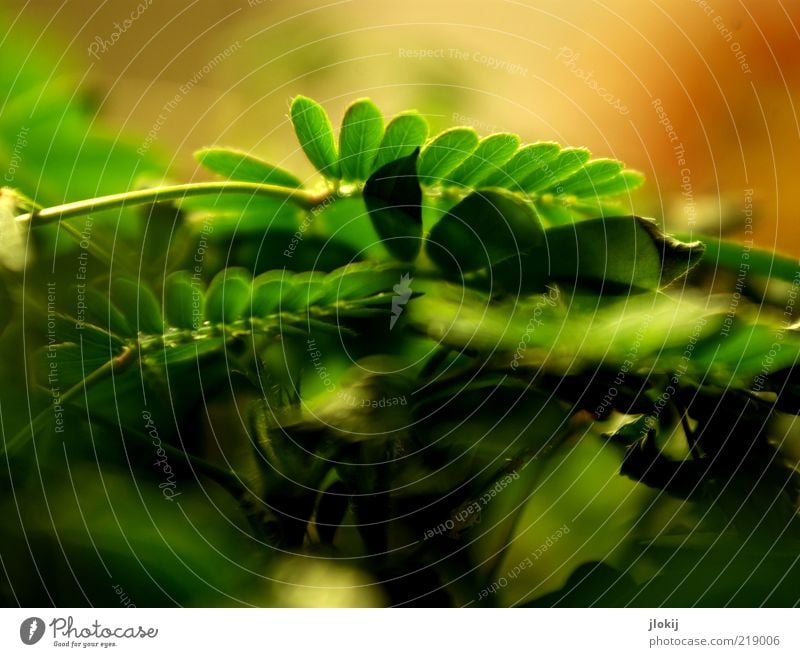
(301, 197)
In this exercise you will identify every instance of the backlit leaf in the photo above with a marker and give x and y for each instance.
(315, 134)
(359, 139)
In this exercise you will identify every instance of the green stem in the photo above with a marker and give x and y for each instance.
(55, 213)
(729, 255)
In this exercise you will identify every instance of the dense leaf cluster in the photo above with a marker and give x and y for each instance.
(431, 319)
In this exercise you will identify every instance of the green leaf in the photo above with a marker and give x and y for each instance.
(573, 333)
(238, 165)
(394, 201)
(186, 352)
(567, 163)
(315, 134)
(445, 153)
(492, 152)
(92, 338)
(614, 254)
(729, 255)
(101, 312)
(72, 363)
(268, 290)
(585, 181)
(553, 213)
(238, 214)
(623, 183)
(360, 280)
(486, 227)
(518, 168)
(631, 432)
(139, 305)
(307, 289)
(359, 139)
(405, 133)
(228, 296)
(184, 300)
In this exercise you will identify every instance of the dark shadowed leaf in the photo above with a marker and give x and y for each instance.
(486, 227)
(614, 254)
(140, 306)
(394, 200)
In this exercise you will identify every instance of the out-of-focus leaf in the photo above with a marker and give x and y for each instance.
(184, 300)
(233, 214)
(331, 510)
(268, 289)
(102, 312)
(238, 165)
(631, 432)
(13, 254)
(486, 227)
(69, 364)
(228, 296)
(6, 306)
(307, 288)
(139, 304)
(360, 280)
(614, 254)
(186, 352)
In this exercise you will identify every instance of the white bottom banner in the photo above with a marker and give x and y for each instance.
(400, 632)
